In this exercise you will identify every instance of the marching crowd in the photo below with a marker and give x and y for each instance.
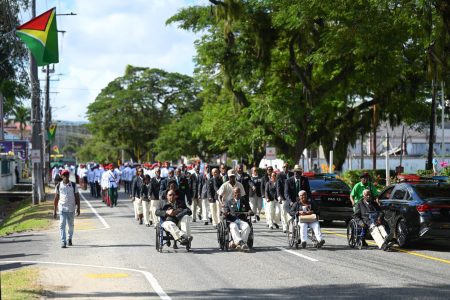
(208, 194)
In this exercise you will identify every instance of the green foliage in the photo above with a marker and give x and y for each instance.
(13, 57)
(296, 74)
(425, 173)
(21, 115)
(445, 171)
(140, 102)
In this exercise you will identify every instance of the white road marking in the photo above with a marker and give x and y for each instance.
(298, 254)
(150, 278)
(95, 212)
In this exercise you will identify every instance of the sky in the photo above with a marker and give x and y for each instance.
(103, 38)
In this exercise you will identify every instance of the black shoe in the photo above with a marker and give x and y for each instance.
(70, 242)
(194, 220)
(303, 245)
(151, 223)
(276, 225)
(206, 223)
(140, 222)
(199, 217)
(320, 244)
(257, 218)
(63, 245)
(210, 219)
(175, 246)
(183, 241)
(147, 225)
(364, 243)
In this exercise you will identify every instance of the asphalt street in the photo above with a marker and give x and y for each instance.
(115, 258)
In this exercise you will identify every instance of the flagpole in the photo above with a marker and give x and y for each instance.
(36, 142)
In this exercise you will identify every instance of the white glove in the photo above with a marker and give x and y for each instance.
(279, 198)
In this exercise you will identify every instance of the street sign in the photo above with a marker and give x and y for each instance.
(35, 156)
(271, 153)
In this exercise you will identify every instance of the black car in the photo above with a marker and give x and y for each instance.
(332, 196)
(417, 210)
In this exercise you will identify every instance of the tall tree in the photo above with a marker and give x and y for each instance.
(21, 115)
(130, 111)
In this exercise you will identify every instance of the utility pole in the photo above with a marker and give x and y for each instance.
(48, 118)
(36, 142)
(2, 136)
(432, 122)
(443, 121)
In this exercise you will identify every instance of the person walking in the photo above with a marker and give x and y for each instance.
(281, 180)
(255, 195)
(66, 203)
(357, 192)
(214, 184)
(155, 185)
(136, 186)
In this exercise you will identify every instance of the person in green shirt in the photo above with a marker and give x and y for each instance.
(365, 184)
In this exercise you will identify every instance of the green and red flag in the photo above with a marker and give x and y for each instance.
(51, 132)
(41, 36)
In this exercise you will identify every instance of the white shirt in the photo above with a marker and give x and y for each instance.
(111, 179)
(226, 190)
(66, 193)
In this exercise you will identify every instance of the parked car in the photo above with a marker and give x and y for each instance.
(417, 210)
(332, 196)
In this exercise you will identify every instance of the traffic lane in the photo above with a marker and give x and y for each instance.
(437, 250)
(208, 270)
(269, 272)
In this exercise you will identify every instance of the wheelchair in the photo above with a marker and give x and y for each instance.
(164, 237)
(224, 236)
(293, 234)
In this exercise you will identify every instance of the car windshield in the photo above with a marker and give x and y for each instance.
(328, 184)
(430, 191)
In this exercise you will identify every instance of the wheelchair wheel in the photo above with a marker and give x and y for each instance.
(226, 239)
(312, 237)
(158, 244)
(291, 233)
(250, 239)
(352, 233)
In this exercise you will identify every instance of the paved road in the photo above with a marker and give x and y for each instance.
(114, 257)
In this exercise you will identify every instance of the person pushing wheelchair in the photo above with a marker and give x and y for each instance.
(236, 211)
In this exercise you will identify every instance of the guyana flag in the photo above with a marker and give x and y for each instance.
(51, 132)
(55, 149)
(41, 36)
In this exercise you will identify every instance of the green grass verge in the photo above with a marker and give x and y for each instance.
(28, 217)
(21, 283)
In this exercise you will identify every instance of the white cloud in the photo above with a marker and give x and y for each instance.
(107, 35)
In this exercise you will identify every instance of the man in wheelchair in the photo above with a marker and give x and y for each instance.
(306, 213)
(237, 211)
(368, 213)
(176, 218)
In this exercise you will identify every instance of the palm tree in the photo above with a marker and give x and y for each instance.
(21, 115)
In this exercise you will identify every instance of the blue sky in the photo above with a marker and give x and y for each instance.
(104, 37)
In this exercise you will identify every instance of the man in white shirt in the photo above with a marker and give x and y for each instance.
(226, 190)
(67, 201)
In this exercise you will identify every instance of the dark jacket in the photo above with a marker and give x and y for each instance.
(203, 186)
(281, 180)
(164, 186)
(271, 191)
(194, 186)
(291, 192)
(184, 188)
(145, 192)
(214, 184)
(257, 182)
(246, 182)
(179, 206)
(232, 212)
(368, 213)
(264, 180)
(136, 186)
(155, 187)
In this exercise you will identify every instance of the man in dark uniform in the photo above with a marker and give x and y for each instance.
(195, 193)
(294, 185)
(281, 179)
(245, 180)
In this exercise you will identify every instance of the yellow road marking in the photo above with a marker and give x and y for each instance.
(445, 261)
(107, 275)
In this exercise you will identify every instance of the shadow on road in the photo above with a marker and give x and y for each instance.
(359, 291)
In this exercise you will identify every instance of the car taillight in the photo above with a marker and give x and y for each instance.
(424, 207)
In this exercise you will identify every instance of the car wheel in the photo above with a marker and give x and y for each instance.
(402, 232)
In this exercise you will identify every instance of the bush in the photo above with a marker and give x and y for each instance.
(378, 177)
(425, 173)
